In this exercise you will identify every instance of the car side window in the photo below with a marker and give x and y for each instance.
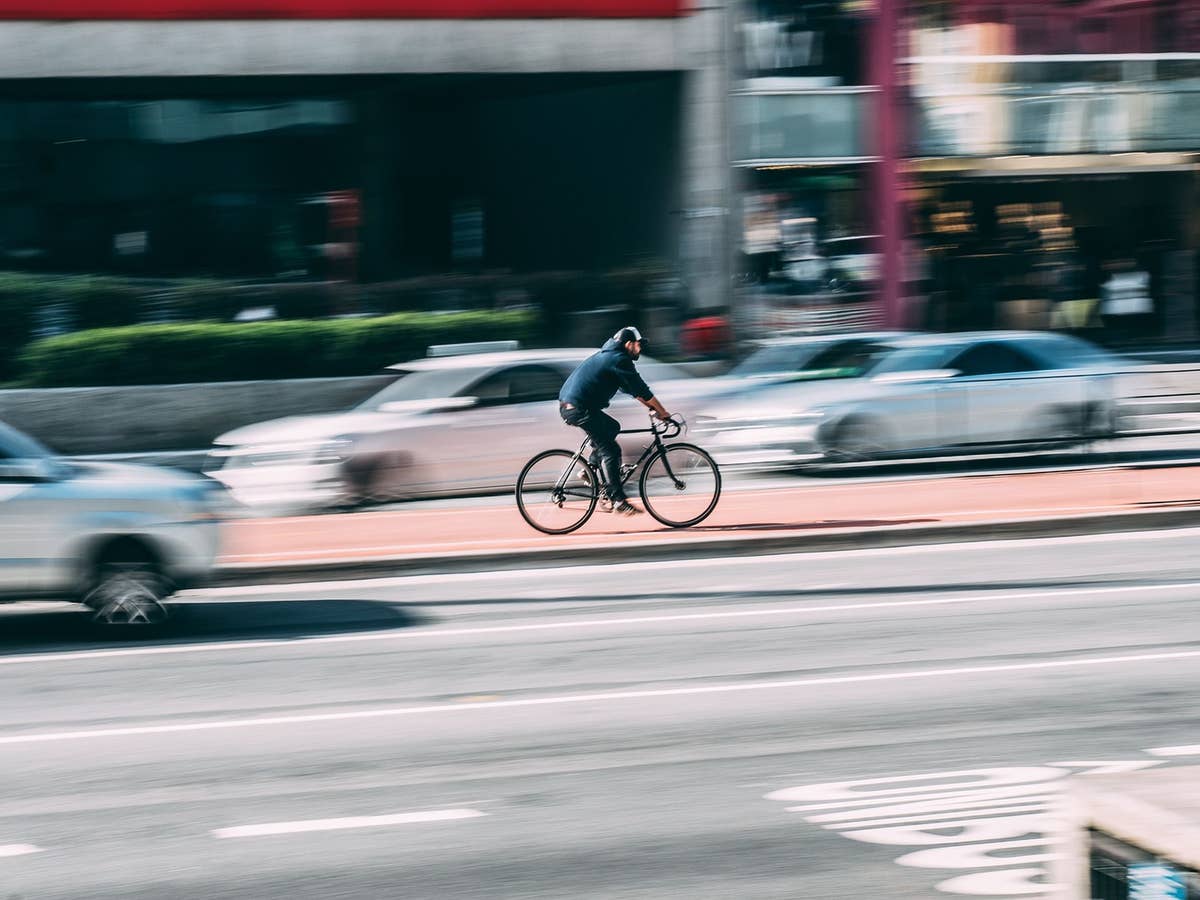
(993, 359)
(524, 384)
(533, 384)
(492, 390)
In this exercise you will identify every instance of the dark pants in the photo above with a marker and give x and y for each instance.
(603, 430)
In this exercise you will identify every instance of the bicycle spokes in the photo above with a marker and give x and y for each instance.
(680, 485)
(556, 491)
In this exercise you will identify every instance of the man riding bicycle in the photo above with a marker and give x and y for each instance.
(589, 390)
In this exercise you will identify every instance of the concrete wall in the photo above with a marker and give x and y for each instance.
(350, 47)
(170, 416)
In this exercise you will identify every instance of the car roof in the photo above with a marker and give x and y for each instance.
(491, 360)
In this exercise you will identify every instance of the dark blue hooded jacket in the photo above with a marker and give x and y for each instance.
(600, 376)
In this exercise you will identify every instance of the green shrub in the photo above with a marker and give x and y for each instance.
(203, 351)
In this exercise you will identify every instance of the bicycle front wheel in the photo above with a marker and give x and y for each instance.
(554, 495)
(680, 485)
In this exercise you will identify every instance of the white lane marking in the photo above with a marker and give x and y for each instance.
(580, 572)
(18, 849)
(610, 697)
(988, 810)
(413, 633)
(1186, 750)
(298, 827)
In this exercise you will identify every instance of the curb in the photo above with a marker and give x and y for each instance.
(238, 574)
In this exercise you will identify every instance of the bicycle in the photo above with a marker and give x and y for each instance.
(557, 490)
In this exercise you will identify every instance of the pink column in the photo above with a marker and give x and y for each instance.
(887, 193)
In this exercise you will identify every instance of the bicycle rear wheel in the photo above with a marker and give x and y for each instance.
(554, 496)
(680, 485)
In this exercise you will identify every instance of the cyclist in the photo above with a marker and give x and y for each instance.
(587, 392)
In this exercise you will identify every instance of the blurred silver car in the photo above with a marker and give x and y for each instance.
(448, 425)
(118, 538)
(804, 358)
(928, 395)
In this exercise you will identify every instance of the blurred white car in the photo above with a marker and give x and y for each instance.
(805, 358)
(929, 395)
(118, 538)
(448, 425)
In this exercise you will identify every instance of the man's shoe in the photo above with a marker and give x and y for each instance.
(625, 508)
(606, 505)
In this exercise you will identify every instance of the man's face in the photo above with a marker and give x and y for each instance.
(634, 348)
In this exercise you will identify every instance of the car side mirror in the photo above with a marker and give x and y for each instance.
(27, 470)
(916, 376)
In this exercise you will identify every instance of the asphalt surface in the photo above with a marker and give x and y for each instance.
(642, 730)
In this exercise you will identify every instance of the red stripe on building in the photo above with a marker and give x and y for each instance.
(341, 9)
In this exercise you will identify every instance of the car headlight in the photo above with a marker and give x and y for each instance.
(333, 451)
(290, 454)
(770, 420)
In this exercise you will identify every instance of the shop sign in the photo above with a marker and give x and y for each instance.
(341, 9)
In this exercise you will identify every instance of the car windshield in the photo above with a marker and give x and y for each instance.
(812, 362)
(776, 359)
(912, 359)
(652, 370)
(430, 384)
(16, 445)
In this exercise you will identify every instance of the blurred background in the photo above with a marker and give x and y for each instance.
(717, 172)
(918, 273)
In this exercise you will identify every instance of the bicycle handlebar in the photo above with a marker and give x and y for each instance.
(668, 428)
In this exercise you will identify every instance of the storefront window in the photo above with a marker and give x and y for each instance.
(808, 256)
(1102, 256)
(172, 186)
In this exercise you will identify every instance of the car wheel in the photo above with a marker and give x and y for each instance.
(128, 594)
(1057, 429)
(857, 440)
(1100, 422)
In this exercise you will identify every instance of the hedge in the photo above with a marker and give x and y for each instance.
(204, 351)
(33, 304)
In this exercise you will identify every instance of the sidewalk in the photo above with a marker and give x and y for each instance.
(810, 516)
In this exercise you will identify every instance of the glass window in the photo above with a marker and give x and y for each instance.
(532, 384)
(15, 445)
(993, 359)
(912, 359)
(429, 385)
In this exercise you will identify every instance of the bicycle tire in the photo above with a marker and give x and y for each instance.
(538, 479)
(705, 476)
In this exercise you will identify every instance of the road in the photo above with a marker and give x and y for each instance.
(641, 730)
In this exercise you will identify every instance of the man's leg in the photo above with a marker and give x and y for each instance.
(603, 430)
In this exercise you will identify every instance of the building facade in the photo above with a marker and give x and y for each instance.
(364, 140)
(987, 164)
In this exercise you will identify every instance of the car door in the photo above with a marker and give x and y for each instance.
(998, 392)
(514, 418)
(28, 545)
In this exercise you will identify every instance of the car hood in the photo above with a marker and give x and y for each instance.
(297, 429)
(130, 472)
(131, 480)
(779, 399)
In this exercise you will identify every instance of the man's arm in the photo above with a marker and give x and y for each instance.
(654, 406)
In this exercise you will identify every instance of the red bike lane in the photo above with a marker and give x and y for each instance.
(799, 510)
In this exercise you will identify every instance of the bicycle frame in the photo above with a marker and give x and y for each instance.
(648, 451)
